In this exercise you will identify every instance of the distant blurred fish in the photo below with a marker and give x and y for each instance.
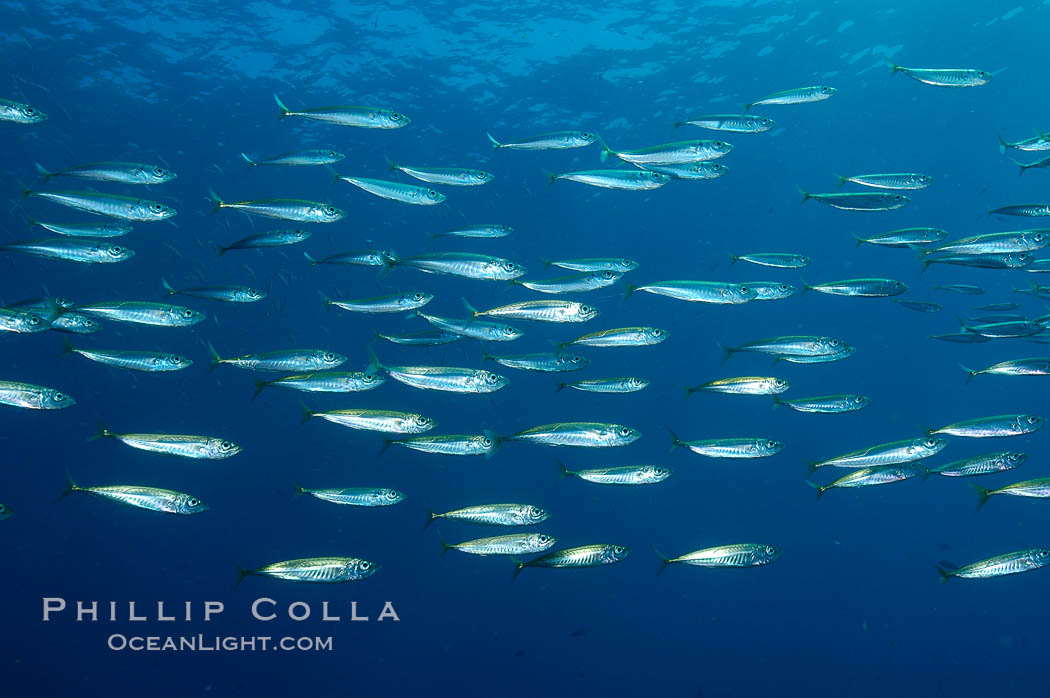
(1026, 210)
(485, 230)
(1015, 367)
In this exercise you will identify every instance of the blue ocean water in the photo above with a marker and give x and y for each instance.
(853, 606)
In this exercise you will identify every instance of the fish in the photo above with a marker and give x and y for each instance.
(282, 360)
(730, 447)
(578, 434)
(717, 292)
(583, 556)
(997, 243)
(1036, 291)
(983, 261)
(575, 283)
(556, 140)
(297, 158)
(22, 321)
(365, 419)
(896, 181)
(705, 169)
(620, 337)
(1015, 367)
(780, 260)
(1038, 266)
(271, 238)
(326, 382)
(859, 201)
(981, 465)
(481, 230)
(75, 323)
(85, 230)
(1025, 210)
(1001, 425)
(512, 544)
(317, 570)
(364, 258)
(963, 289)
(873, 475)
(1041, 164)
(800, 95)
(827, 404)
(1037, 143)
(859, 288)
(143, 313)
(554, 362)
(150, 498)
(791, 346)
(734, 555)
(450, 444)
(395, 191)
(33, 397)
(743, 385)
(620, 265)
(671, 153)
(494, 515)
(84, 251)
(920, 306)
(962, 338)
(128, 208)
(445, 379)
(5, 512)
(771, 290)
(844, 353)
(607, 385)
(295, 210)
(19, 113)
(120, 172)
(621, 475)
(355, 496)
(556, 311)
(146, 361)
(425, 338)
(361, 117)
(893, 453)
(731, 123)
(625, 180)
(904, 237)
(466, 265)
(393, 303)
(1006, 329)
(184, 445)
(473, 329)
(225, 294)
(451, 176)
(945, 77)
(1038, 488)
(997, 307)
(1000, 565)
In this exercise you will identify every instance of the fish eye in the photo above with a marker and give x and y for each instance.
(368, 378)
(624, 431)
(586, 309)
(626, 263)
(432, 194)
(771, 444)
(187, 313)
(589, 136)
(329, 356)
(193, 502)
(492, 378)
(930, 443)
(158, 172)
(225, 445)
(619, 549)
(156, 208)
(770, 550)
(576, 359)
(745, 290)
(391, 494)
(329, 210)
(609, 274)
(1033, 420)
(543, 538)
(394, 116)
(417, 296)
(331, 153)
(365, 565)
(59, 397)
(657, 332)
(33, 320)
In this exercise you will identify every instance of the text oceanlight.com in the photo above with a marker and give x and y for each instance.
(214, 643)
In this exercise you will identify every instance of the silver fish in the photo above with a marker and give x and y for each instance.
(317, 570)
(362, 117)
(298, 210)
(121, 172)
(474, 329)
(84, 251)
(297, 158)
(364, 258)
(75, 323)
(578, 434)
(860, 288)
(743, 385)
(997, 243)
(271, 238)
(450, 444)
(705, 169)
(541, 311)
(963, 289)
(85, 230)
(981, 465)
(33, 397)
(146, 361)
(780, 260)
(576, 283)
(622, 475)
(554, 362)
(734, 555)
(893, 453)
(607, 385)
(225, 294)
(452, 176)
(920, 306)
(18, 113)
(512, 544)
(1037, 143)
(394, 303)
(326, 382)
(1038, 488)
(556, 140)
(1000, 565)
(483, 230)
(671, 153)
(22, 321)
(732, 123)
(425, 338)
(184, 445)
(871, 476)
(945, 77)
(143, 313)
(494, 515)
(1025, 210)
(387, 421)
(859, 202)
(355, 496)
(895, 181)
(827, 404)
(151, 498)
(620, 337)
(597, 264)
(983, 261)
(445, 379)
(771, 290)
(396, 191)
(463, 264)
(626, 180)
(791, 346)
(5, 512)
(731, 447)
(1015, 367)
(717, 292)
(800, 95)
(904, 237)
(1002, 425)
(124, 207)
(282, 360)
(583, 556)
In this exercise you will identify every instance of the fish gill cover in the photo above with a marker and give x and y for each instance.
(297, 288)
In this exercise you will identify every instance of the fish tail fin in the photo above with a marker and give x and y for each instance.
(307, 414)
(45, 175)
(386, 444)
(894, 68)
(842, 180)
(945, 574)
(805, 287)
(68, 348)
(391, 165)
(373, 362)
(259, 385)
(26, 191)
(518, 567)
(445, 547)
(309, 259)
(470, 309)
(547, 263)
(215, 358)
(806, 196)
(726, 351)
(565, 472)
(71, 487)
(811, 467)
(324, 297)
(675, 441)
(496, 145)
(748, 106)
(1003, 145)
(216, 202)
(1022, 167)
(859, 239)
(733, 259)
(167, 286)
(551, 178)
(664, 562)
(299, 489)
(688, 391)
(561, 387)
(630, 289)
(606, 151)
(431, 518)
(971, 372)
(285, 111)
(982, 495)
(101, 432)
(251, 163)
(820, 490)
(241, 574)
